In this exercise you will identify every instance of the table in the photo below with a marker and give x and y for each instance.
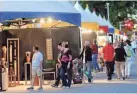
(47, 71)
(25, 67)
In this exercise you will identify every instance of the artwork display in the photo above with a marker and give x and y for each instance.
(49, 50)
(10, 51)
(13, 56)
(28, 57)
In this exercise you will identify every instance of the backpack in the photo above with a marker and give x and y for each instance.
(129, 52)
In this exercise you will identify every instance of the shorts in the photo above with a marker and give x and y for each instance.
(36, 71)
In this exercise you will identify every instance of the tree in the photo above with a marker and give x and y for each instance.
(119, 10)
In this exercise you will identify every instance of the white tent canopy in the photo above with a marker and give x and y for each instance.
(41, 6)
(94, 16)
(109, 24)
(103, 22)
(84, 15)
(99, 19)
(30, 9)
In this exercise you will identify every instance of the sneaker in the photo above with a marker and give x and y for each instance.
(92, 79)
(89, 80)
(109, 79)
(118, 78)
(127, 77)
(113, 74)
(30, 88)
(54, 86)
(63, 87)
(67, 87)
(40, 88)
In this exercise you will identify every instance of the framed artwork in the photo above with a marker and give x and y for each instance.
(49, 49)
(13, 57)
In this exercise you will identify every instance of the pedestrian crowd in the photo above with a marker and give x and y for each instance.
(120, 54)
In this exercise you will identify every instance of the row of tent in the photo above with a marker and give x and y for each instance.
(59, 10)
(93, 22)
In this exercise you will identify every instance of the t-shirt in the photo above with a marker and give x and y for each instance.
(108, 52)
(120, 54)
(94, 49)
(59, 55)
(36, 59)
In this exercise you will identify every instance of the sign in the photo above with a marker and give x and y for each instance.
(49, 50)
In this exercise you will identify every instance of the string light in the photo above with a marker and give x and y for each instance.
(42, 20)
(34, 20)
(49, 20)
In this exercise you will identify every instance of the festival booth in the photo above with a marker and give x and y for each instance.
(45, 23)
(111, 32)
(89, 25)
(123, 36)
(103, 31)
(117, 35)
(102, 27)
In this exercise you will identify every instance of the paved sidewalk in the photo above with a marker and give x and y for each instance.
(100, 85)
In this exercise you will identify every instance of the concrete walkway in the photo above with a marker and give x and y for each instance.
(100, 85)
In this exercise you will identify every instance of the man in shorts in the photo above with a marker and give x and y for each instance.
(37, 61)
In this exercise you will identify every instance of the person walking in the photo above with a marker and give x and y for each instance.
(129, 51)
(134, 45)
(87, 61)
(95, 56)
(66, 58)
(115, 45)
(120, 57)
(37, 61)
(122, 44)
(108, 52)
(59, 66)
(69, 66)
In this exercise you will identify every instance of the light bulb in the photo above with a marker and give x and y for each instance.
(42, 20)
(50, 20)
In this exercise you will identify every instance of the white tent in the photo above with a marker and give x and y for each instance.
(98, 20)
(39, 9)
(67, 6)
(92, 15)
(103, 23)
(84, 15)
(109, 24)
(38, 6)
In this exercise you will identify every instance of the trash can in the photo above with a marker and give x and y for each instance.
(3, 79)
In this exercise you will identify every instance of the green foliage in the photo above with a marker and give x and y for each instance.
(49, 64)
(118, 9)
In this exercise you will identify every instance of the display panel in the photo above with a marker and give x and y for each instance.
(49, 50)
(13, 57)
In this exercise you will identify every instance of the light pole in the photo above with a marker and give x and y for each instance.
(120, 26)
(108, 19)
(108, 12)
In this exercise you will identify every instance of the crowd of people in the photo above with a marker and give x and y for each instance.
(120, 54)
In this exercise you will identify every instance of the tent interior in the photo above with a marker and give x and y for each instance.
(30, 37)
(50, 21)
